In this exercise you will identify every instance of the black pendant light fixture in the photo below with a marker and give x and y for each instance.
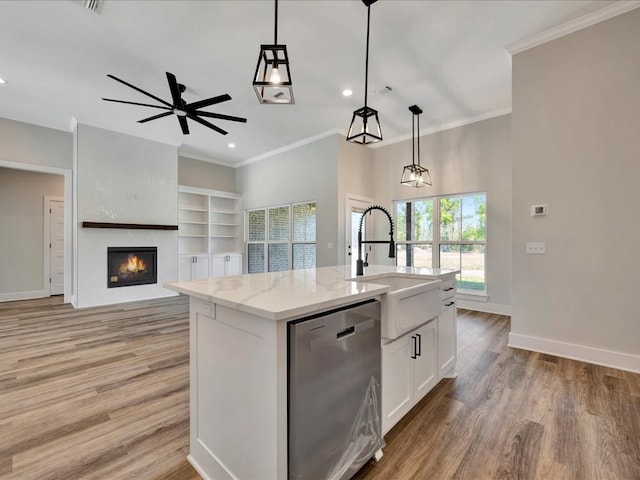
(272, 80)
(415, 175)
(365, 126)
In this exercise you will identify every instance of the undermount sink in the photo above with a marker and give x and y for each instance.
(410, 303)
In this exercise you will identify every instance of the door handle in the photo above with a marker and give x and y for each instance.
(415, 347)
(419, 352)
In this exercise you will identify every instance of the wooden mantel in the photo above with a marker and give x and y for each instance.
(130, 226)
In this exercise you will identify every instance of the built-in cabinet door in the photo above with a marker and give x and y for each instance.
(425, 347)
(185, 268)
(397, 381)
(201, 267)
(218, 266)
(447, 338)
(234, 264)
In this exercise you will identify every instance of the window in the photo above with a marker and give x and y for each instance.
(281, 237)
(445, 232)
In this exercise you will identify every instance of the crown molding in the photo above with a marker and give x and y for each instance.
(571, 26)
(203, 158)
(446, 126)
(286, 148)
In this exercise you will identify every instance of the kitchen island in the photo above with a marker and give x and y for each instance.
(238, 359)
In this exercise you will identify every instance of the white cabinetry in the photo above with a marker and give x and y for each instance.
(208, 233)
(447, 330)
(226, 265)
(193, 267)
(409, 371)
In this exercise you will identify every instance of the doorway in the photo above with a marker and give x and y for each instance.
(355, 206)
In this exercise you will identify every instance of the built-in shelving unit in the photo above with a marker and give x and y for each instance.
(209, 227)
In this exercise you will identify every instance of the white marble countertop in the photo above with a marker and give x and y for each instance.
(295, 293)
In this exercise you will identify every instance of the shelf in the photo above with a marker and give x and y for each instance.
(208, 220)
(129, 226)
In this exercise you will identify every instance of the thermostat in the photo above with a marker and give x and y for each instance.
(539, 210)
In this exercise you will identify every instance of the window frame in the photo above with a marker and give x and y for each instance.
(436, 242)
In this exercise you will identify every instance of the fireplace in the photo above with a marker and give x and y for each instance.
(127, 266)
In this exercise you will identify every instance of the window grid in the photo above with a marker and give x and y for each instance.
(281, 237)
(444, 244)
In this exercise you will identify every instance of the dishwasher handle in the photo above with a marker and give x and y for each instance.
(346, 332)
(343, 334)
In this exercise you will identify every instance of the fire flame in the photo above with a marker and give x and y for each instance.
(133, 265)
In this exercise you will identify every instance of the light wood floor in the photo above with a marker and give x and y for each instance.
(513, 414)
(98, 393)
(102, 393)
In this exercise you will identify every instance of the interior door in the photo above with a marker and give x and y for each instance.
(56, 247)
(355, 207)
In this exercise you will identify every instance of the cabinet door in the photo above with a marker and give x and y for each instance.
(425, 346)
(185, 267)
(218, 266)
(397, 381)
(447, 339)
(201, 267)
(234, 264)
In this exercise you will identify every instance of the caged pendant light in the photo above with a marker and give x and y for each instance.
(365, 125)
(272, 79)
(415, 175)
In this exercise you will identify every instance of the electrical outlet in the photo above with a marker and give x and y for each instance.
(538, 248)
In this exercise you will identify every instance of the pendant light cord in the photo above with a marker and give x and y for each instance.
(366, 62)
(413, 139)
(418, 139)
(275, 28)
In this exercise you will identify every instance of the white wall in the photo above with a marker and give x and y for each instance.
(355, 177)
(306, 173)
(471, 158)
(22, 231)
(576, 115)
(196, 173)
(127, 180)
(31, 144)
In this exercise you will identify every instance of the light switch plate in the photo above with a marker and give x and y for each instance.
(538, 248)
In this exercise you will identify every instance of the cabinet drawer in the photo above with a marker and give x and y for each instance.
(448, 289)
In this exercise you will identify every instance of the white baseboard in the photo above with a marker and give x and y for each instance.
(196, 466)
(484, 307)
(8, 297)
(606, 358)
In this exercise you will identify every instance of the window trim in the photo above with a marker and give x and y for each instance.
(436, 242)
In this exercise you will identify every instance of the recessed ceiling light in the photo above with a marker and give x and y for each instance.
(347, 93)
(3, 81)
(232, 145)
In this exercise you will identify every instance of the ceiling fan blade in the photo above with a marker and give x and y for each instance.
(183, 124)
(175, 91)
(139, 90)
(165, 114)
(209, 101)
(220, 116)
(136, 103)
(206, 124)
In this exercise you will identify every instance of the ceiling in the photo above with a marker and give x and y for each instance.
(448, 57)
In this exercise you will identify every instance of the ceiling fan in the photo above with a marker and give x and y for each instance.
(182, 109)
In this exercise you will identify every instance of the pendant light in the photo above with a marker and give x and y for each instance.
(272, 80)
(415, 175)
(365, 126)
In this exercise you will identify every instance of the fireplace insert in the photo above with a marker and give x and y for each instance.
(127, 266)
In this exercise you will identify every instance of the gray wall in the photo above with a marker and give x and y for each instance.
(25, 143)
(471, 158)
(306, 173)
(196, 173)
(21, 227)
(576, 116)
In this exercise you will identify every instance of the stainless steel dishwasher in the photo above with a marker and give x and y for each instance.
(334, 415)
